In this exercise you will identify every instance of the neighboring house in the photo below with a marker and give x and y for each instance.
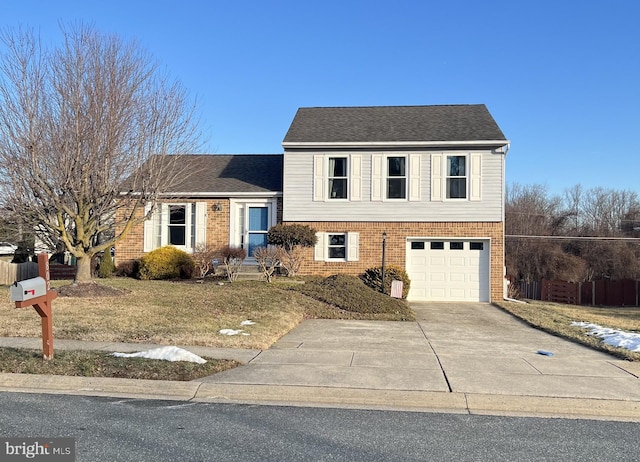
(430, 178)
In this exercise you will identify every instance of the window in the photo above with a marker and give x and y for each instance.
(177, 225)
(417, 245)
(456, 245)
(456, 177)
(396, 178)
(477, 246)
(338, 184)
(337, 246)
(437, 246)
(181, 225)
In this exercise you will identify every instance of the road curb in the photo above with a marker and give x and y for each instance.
(99, 386)
(305, 396)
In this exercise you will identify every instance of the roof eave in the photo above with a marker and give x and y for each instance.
(392, 144)
(222, 194)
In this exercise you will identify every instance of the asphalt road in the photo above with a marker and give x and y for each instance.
(109, 429)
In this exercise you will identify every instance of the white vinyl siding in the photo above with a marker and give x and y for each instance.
(318, 178)
(337, 246)
(436, 177)
(376, 177)
(427, 204)
(356, 178)
(414, 177)
(475, 178)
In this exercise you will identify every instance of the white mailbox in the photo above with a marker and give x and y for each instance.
(29, 288)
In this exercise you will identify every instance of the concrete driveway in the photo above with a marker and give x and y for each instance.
(482, 349)
(471, 351)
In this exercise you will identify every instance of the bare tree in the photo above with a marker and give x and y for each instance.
(531, 211)
(78, 119)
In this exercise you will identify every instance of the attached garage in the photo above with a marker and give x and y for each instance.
(450, 270)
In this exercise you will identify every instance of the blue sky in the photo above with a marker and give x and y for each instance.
(561, 77)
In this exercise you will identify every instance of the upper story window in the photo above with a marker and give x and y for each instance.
(338, 178)
(396, 177)
(456, 179)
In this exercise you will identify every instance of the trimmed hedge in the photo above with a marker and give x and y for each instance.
(166, 263)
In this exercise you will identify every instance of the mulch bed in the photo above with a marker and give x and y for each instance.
(89, 290)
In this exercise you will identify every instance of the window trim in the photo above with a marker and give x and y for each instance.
(347, 178)
(388, 177)
(448, 177)
(322, 192)
(351, 244)
(329, 246)
(156, 228)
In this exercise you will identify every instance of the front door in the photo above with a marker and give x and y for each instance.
(257, 220)
(250, 222)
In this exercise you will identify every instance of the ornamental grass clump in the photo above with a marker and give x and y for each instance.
(166, 263)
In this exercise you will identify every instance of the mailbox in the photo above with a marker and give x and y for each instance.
(29, 288)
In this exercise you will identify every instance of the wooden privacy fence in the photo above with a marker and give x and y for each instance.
(603, 292)
(11, 272)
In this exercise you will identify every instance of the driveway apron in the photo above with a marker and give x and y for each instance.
(484, 350)
(471, 348)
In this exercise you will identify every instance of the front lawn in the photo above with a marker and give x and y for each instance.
(191, 313)
(556, 319)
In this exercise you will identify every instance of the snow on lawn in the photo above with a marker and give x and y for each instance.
(246, 322)
(168, 353)
(613, 337)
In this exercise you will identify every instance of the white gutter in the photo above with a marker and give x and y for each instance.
(391, 144)
(221, 194)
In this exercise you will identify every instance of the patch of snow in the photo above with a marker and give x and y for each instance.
(230, 331)
(247, 322)
(613, 337)
(167, 353)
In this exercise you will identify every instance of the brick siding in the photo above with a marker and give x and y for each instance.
(370, 246)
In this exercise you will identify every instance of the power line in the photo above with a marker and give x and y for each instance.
(574, 238)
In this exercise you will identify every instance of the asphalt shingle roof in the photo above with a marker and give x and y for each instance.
(217, 173)
(471, 122)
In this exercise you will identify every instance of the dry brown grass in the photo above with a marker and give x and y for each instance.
(101, 364)
(173, 313)
(556, 318)
(180, 313)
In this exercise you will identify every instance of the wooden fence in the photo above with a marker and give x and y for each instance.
(11, 272)
(603, 292)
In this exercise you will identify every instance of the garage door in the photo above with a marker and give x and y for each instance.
(448, 269)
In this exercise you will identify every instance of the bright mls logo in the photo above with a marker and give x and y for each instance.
(38, 449)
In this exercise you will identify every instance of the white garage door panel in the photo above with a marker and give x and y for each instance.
(439, 272)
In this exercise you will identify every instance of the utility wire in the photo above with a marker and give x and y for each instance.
(574, 238)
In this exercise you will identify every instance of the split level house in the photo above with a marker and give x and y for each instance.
(428, 180)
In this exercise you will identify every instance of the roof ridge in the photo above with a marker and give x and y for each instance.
(393, 106)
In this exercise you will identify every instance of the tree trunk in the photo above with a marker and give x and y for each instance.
(83, 265)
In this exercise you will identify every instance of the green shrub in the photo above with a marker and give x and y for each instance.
(290, 236)
(106, 268)
(349, 293)
(373, 278)
(166, 263)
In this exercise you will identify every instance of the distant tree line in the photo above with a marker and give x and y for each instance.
(605, 221)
